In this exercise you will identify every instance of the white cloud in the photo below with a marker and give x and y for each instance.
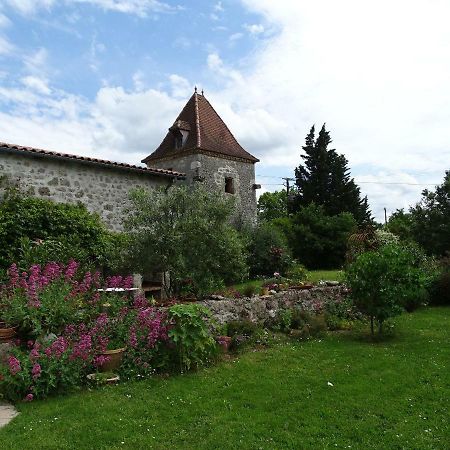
(4, 21)
(5, 46)
(181, 88)
(36, 84)
(235, 37)
(376, 73)
(138, 7)
(255, 28)
(30, 6)
(219, 7)
(36, 62)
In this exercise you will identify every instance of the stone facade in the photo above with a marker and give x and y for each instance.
(103, 189)
(212, 172)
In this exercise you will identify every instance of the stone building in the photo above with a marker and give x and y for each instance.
(200, 145)
(198, 148)
(103, 186)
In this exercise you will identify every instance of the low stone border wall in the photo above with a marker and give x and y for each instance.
(258, 309)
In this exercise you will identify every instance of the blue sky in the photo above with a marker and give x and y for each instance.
(108, 77)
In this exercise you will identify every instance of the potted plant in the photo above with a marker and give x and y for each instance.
(114, 336)
(8, 323)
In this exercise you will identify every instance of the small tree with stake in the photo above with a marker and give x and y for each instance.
(383, 281)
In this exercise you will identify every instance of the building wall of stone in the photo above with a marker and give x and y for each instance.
(102, 189)
(213, 170)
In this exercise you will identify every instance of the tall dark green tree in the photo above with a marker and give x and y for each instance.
(324, 179)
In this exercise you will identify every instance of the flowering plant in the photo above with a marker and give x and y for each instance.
(45, 299)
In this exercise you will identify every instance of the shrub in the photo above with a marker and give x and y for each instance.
(269, 251)
(37, 231)
(242, 333)
(189, 331)
(440, 285)
(318, 241)
(297, 273)
(340, 313)
(383, 281)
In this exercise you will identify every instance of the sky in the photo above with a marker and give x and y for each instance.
(107, 78)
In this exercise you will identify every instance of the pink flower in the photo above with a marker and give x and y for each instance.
(71, 270)
(14, 365)
(13, 275)
(28, 398)
(36, 371)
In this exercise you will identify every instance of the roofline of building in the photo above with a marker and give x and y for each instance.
(18, 149)
(192, 150)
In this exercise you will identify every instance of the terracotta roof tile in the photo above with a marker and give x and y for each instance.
(208, 133)
(103, 162)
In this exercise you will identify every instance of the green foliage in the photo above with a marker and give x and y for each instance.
(325, 180)
(56, 375)
(36, 231)
(272, 205)
(341, 314)
(384, 281)
(440, 285)
(187, 234)
(428, 222)
(407, 377)
(296, 274)
(269, 251)
(245, 333)
(431, 219)
(318, 240)
(190, 333)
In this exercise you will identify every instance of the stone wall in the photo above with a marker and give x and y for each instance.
(261, 308)
(103, 189)
(213, 170)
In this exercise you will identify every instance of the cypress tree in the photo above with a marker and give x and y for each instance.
(324, 179)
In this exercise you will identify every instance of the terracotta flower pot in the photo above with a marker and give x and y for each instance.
(6, 332)
(224, 342)
(114, 359)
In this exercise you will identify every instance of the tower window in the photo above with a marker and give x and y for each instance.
(178, 140)
(229, 185)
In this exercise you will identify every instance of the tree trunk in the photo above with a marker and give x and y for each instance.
(371, 325)
(380, 327)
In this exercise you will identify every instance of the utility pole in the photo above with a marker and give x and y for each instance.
(287, 185)
(287, 180)
(385, 216)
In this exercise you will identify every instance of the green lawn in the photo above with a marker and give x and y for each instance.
(327, 275)
(393, 394)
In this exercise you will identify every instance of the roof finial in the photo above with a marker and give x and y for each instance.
(195, 89)
(203, 92)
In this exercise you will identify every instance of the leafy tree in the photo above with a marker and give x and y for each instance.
(324, 179)
(401, 224)
(185, 233)
(431, 219)
(428, 222)
(317, 240)
(384, 281)
(272, 205)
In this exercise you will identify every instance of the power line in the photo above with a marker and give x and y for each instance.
(358, 182)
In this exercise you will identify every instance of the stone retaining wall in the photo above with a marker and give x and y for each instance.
(261, 308)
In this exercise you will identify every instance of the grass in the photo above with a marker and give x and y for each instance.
(313, 277)
(329, 275)
(392, 394)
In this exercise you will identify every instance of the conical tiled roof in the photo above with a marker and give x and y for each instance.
(207, 133)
